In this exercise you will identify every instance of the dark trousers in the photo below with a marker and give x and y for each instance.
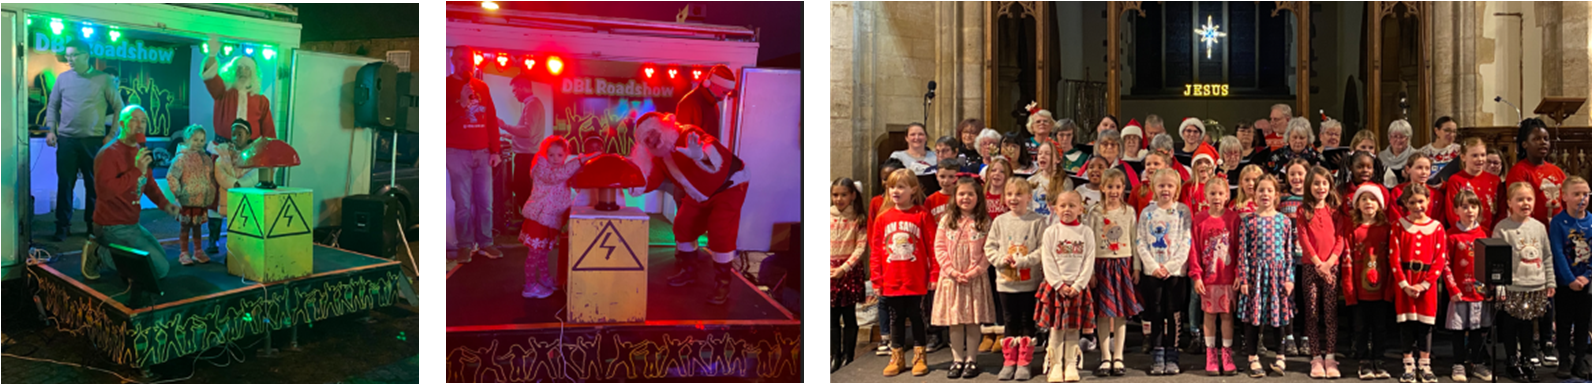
(843, 330)
(1253, 337)
(1468, 346)
(1020, 313)
(996, 297)
(905, 309)
(1572, 322)
(74, 156)
(928, 305)
(1163, 298)
(1370, 326)
(1517, 335)
(520, 182)
(1417, 337)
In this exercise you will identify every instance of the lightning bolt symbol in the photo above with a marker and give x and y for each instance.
(605, 245)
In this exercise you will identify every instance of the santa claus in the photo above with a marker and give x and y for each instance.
(712, 183)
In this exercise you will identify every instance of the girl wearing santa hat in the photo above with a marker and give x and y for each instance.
(1365, 281)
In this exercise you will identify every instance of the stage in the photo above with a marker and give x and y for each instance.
(495, 335)
(203, 307)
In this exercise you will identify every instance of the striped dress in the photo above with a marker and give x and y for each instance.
(1114, 288)
(1268, 248)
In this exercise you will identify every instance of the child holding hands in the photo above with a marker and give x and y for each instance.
(963, 297)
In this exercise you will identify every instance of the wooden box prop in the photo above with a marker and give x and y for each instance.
(268, 233)
(608, 265)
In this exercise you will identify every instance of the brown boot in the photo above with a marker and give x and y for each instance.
(996, 343)
(895, 366)
(986, 342)
(919, 367)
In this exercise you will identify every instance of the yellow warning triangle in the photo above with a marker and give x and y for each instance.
(289, 220)
(245, 220)
(608, 251)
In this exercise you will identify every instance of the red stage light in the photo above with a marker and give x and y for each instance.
(673, 71)
(697, 74)
(478, 56)
(555, 65)
(530, 62)
(503, 59)
(649, 71)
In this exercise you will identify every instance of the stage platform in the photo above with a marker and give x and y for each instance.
(203, 307)
(495, 335)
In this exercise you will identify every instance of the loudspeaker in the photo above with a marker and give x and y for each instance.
(786, 237)
(133, 265)
(1495, 255)
(376, 95)
(370, 225)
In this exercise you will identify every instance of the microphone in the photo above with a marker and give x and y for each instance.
(931, 94)
(1513, 106)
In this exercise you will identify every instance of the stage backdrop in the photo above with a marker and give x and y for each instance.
(587, 98)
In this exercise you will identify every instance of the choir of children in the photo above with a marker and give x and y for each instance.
(1072, 259)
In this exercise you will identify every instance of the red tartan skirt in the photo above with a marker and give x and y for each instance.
(1061, 312)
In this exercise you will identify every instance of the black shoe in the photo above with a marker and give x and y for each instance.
(212, 249)
(722, 283)
(1118, 369)
(1104, 369)
(1580, 367)
(935, 344)
(971, 370)
(688, 273)
(835, 364)
(1364, 371)
(60, 234)
(956, 371)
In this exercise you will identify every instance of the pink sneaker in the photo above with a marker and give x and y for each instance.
(1212, 362)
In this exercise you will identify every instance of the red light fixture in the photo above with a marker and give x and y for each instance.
(478, 57)
(673, 71)
(555, 65)
(530, 62)
(503, 59)
(648, 71)
(697, 74)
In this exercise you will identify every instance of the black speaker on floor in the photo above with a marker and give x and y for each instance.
(370, 225)
(1492, 261)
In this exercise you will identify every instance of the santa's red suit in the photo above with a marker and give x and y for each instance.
(713, 182)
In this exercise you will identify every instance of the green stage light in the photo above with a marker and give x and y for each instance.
(268, 52)
(88, 32)
(115, 35)
(56, 26)
(249, 51)
(226, 50)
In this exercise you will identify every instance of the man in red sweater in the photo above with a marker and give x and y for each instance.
(121, 175)
(472, 153)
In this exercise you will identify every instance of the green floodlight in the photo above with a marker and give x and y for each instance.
(268, 52)
(88, 32)
(56, 26)
(115, 35)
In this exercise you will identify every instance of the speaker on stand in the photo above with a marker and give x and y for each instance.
(1494, 274)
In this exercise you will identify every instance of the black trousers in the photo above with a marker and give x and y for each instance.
(1253, 337)
(928, 305)
(74, 156)
(1572, 321)
(843, 330)
(1468, 346)
(1417, 337)
(1019, 308)
(996, 297)
(1162, 299)
(905, 309)
(1371, 322)
(1517, 335)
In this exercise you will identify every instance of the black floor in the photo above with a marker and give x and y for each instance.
(183, 282)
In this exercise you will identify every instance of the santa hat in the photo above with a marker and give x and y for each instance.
(1368, 187)
(1192, 121)
(1205, 151)
(1133, 128)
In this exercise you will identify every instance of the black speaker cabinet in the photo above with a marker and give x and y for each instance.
(1492, 261)
(370, 225)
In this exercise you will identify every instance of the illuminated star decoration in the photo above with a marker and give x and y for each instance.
(1209, 34)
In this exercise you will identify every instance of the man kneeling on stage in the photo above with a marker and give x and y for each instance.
(714, 183)
(122, 175)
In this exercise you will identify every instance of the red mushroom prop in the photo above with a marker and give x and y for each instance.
(607, 173)
(268, 153)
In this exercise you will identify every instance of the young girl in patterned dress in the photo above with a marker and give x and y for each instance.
(962, 297)
(1067, 255)
(1212, 268)
(192, 181)
(546, 211)
(1417, 255)
(1267, 252)
(848, 228)
(1113, 290)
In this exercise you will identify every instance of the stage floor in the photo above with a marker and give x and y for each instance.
(484, 295)
(200, 280)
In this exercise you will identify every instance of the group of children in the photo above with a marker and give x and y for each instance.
(1348, 241)
(198, 178)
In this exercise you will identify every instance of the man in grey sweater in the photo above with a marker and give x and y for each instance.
(76, 116)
